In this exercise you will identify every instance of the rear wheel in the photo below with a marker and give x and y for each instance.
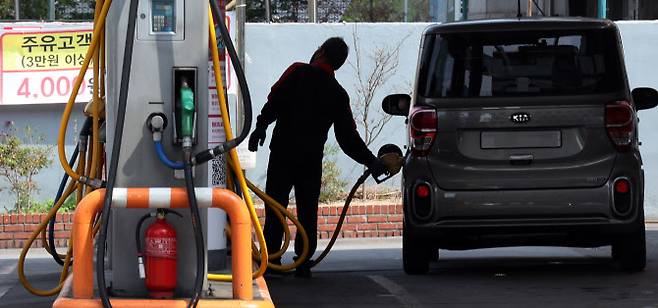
(415, 255)
(631, 252)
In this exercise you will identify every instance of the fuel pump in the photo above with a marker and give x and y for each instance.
(171, 40)
(139, 108)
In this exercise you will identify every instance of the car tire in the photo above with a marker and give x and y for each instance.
(415, 256)
(631, 252)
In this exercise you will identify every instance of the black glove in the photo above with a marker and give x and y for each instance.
(257, 137)
(377, 168)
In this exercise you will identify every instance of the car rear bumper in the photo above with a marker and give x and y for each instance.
(489, 233)
(501, 207)
(579, 217)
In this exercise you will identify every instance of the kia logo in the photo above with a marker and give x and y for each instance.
(520, 117)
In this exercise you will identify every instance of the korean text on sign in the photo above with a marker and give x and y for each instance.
(42, 67)
(45, 51)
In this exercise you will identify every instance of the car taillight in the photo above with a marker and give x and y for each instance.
(422, 130)
(620, 124)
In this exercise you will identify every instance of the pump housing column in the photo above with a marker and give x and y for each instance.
(171, 48)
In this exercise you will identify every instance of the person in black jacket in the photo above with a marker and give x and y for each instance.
(305, 102)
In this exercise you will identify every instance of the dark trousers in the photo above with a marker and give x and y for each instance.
(304, 174)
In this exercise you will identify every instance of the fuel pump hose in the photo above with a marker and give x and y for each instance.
(99, 23)
(63, 193)
(198, 231)
(42, 225)
(51, 223)
(235, 163)
(84, 134)
(242, 81)
(233, 155)
(85, 173)
(116, 145)
(341, 219)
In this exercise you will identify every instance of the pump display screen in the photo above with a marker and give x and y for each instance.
(163, 18)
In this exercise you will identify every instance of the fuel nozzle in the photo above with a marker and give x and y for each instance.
(187, 113)
(391, 156)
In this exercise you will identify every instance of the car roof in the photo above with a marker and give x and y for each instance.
(525, 24)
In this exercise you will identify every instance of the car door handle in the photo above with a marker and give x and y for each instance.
(521, 159)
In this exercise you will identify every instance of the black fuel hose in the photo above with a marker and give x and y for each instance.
(341, 219)
(138, 231)
(198, 231)
(51, 223)
(116, 150)
(385, 149)
(209, 154)
(84, 134)
(236, 188)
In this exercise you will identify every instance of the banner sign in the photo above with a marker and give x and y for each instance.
(39, 62)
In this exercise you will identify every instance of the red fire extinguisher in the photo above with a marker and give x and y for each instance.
(159, 254)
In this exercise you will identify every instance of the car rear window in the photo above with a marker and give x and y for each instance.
(520, 63)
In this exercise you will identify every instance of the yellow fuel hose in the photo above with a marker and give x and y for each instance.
(44, 243)
(78, 192)
(89, 162)
(42, 226)
(278, 209)
(234, 157)
(72, 187)
(82, 160)
(41, 230)
(96, 100)
(99, 23)
(81, 166)
(280, 212)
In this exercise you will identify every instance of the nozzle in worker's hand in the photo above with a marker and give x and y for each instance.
(393, 162)
(385, 166)
(377, 168)
(257, 137)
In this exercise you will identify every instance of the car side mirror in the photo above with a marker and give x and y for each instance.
(645, 98)
(397, 104)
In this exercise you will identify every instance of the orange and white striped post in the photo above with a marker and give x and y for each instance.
(83, 271)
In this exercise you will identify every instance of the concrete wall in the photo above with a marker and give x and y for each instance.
(271, 48)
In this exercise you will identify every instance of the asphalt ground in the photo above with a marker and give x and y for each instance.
(368, 273)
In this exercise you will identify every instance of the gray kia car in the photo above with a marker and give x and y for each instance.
(522, 132)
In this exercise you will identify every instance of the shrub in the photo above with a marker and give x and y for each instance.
(44, 206)
(333, 187)
(20, 161)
